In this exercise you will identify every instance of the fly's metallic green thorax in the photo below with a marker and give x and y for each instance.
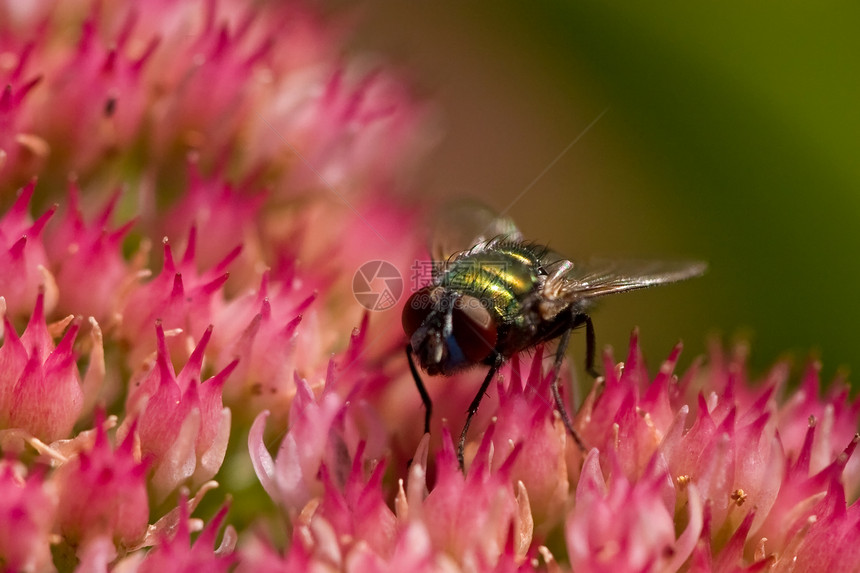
(500, 274)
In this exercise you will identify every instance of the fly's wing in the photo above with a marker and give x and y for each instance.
(461, 225)
(572, 281)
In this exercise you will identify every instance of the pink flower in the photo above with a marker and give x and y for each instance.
(346, 122)
(179, 298)
(828, 538)
(28, 508)
(471, 517)
(102, 493)
(525, 416)
(624, 526)
(101, 80)
(262, 327)
(40, 387)
(292, 478)
(24, 268)
(21, 152)
(177, 553)
(76, 247)
(754, 490)
(213, 203)
(179, 421)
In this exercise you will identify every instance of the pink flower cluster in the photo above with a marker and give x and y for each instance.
(729, 486)
(139, 385)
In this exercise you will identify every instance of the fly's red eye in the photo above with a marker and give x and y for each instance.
(474, 328)
(416, 310)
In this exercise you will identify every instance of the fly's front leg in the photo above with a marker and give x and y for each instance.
(425, 397)
(473, 409)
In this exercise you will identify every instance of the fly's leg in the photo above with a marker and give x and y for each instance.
(473, 409)
(425, 397)
(556, 370)
(590, 346)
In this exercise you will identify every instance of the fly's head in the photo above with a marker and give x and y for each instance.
(449, 330)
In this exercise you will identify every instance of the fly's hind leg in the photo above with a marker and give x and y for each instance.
(590, 343)
(556, 370)
(425, 397)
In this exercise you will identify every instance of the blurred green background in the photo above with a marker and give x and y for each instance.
(729, 133)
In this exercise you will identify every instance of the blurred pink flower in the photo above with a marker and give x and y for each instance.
(211, 202)
(21, 152)
(75, 247)
(28, 509)
(23, 262)
(101, 81)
